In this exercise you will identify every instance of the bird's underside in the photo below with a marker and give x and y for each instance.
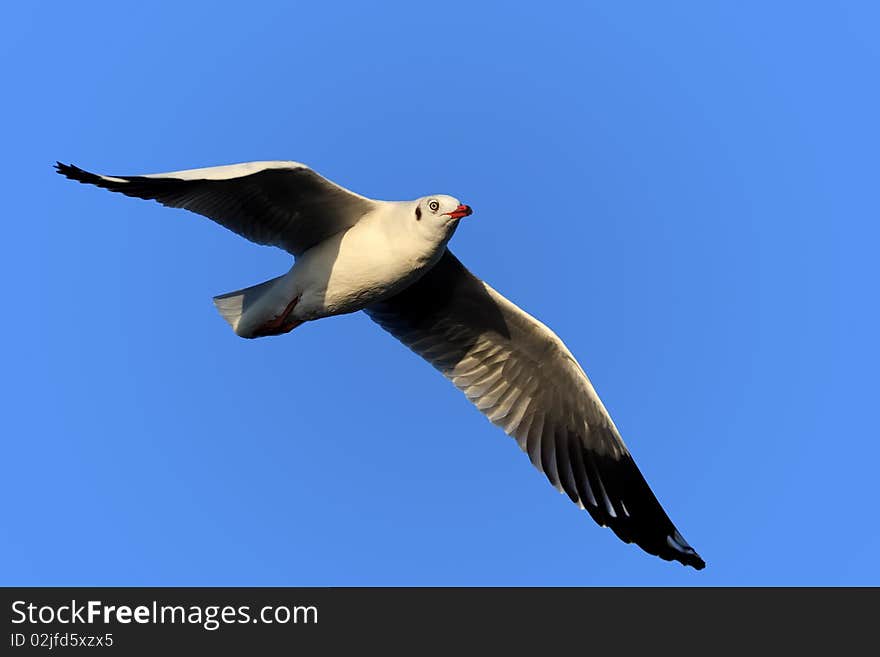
(511, 367)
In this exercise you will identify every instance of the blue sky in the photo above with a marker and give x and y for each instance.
(687, 194)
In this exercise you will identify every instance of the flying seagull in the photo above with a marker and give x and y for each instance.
(390, 259)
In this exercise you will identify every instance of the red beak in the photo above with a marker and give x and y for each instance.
(460, 211)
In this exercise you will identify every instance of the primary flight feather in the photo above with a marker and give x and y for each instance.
(390, 259)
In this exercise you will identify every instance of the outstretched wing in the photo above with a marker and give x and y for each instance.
(523, 378)
(283, 204)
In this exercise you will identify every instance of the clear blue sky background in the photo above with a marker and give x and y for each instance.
(686, 193)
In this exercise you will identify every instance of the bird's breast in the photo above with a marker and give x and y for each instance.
(355, 269)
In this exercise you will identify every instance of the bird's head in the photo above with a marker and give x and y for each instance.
(434, 218)
(440, 210)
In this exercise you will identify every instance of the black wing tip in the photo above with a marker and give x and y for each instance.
(675, 549)
(684, 553)
(625, 503)
(688, 558)
(64, 169)
(74, 172)
(696, 562)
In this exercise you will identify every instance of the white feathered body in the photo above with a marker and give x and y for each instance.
(369, 262)
(374, 259)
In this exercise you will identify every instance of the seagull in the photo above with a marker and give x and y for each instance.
(391, 260)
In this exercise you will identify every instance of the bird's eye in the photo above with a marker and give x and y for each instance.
(434, 205)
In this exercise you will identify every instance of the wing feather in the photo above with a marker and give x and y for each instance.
(523, 378)
(283, 204)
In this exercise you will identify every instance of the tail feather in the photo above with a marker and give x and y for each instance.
(233, 305)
